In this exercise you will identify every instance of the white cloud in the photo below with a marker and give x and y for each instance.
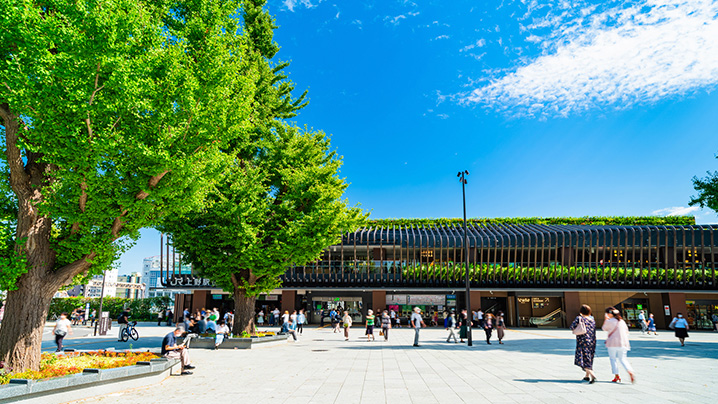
(478, 44)
(292, 4)
(615, 58)
(441, 37)
(676, 211)
(395, 20)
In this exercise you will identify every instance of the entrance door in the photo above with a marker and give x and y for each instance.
(493, 305)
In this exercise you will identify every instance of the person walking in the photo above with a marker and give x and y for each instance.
(617, 343)
(301, 319)
(169, 315)
(260, 318)
(293, 317)
(370, 325)
(642, 322)
(62, 328)
(451, 326)
(465, 324)
(385, 325)
(488, 324)
(392, 315)
(500, 326)
(285, 318)
(160, 313)
(584, 327)
(347, 322)
(479, 318)
(275, 315)
(680, 325)
(416, 322)
(651, 325)
(337, 320)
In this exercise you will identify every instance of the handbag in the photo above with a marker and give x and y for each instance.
(381, 333)
(60, 333)
(580, 329)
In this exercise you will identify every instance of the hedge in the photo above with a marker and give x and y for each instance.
(479, 272)
(587, 220)
(140, 309)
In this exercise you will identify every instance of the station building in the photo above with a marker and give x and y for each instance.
(537, 271)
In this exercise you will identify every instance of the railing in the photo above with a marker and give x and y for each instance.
(552, 317)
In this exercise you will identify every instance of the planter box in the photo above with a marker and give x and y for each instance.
(236, 343)
(89, 383)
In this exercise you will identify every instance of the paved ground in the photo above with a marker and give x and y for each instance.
(533, 366)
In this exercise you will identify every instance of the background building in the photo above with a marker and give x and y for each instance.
(152, 278)
(130, 286)
(94, 287)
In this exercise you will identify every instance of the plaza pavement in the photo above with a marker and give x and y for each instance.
(533, 366)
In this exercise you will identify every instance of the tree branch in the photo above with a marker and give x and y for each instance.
(19, 179)
(65, 274)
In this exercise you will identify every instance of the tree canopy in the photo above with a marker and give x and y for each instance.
(114, 113)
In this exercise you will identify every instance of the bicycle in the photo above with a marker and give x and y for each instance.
(130, 332)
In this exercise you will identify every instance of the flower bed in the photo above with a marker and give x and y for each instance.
(52, 365)
(243, 335)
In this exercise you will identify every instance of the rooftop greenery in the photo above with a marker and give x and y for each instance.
(587, 220)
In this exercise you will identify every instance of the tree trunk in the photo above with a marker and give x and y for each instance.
(243, 312)
(23, 324)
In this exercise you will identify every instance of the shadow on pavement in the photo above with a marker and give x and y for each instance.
(562, 347)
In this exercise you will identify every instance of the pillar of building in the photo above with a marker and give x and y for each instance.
(378, 300)
(475, 300)
(571, 305)
(289, 298)
(655, 303)
(677, 303)
(199, 300)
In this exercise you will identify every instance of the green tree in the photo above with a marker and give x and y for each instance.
(707, 188)
(114, 113)
(282, 207)
(279, 203)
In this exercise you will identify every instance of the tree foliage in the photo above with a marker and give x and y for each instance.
(707, 188)
(578, 221)
(114, 114)
(279, 202)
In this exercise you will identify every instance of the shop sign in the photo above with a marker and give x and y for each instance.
(186, 281)
(448, 297)
(216, 297)
(639, 306)
(524, 300)
(431, 300)
(451, 303)
(396, 299)
(667, 310)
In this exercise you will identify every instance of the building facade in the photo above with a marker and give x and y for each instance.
(153, 273)
(130, 286)
(538, 274)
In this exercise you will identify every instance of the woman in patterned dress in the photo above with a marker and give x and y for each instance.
(585, 343)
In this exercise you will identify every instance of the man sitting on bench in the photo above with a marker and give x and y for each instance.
(171, 350)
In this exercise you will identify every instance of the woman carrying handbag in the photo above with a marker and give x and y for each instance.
(584, 327)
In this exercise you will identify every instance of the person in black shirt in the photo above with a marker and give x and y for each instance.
(171, 350)
(123, 320)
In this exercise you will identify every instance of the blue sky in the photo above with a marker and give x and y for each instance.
(557, 108)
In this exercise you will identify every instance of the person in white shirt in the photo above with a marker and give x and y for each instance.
(62, 328)
(480, 318)
(285, 318)
(222, 331)
(293, 317)
(392, 315)
(301, 319)
(275, 314)
(417, 322)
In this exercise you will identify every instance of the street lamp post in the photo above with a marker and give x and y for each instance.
(462, 178)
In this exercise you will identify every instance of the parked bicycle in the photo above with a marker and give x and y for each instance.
(130, 332)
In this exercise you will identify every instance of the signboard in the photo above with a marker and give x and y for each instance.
(667, 310)
(186, 281)
(639, 306)
(396, 299)
(539, 302)
(431, 300)
(451, 297)
(524, 300)
(104, 322)
(217, 297)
